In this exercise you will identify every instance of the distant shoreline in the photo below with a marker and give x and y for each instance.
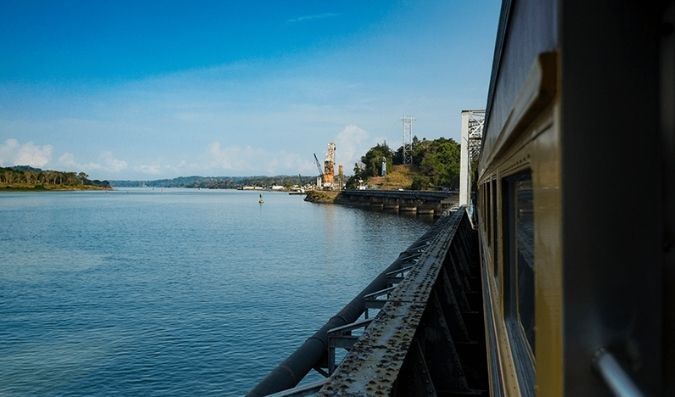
(49, 188)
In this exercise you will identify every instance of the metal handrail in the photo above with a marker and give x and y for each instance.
(293, 369)
(616, 379)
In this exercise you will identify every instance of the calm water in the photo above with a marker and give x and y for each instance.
(178, 292)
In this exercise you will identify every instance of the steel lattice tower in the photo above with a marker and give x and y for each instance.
(476, 121)
(407, 138)
(472, 135)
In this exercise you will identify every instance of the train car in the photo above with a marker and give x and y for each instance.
(576, 203)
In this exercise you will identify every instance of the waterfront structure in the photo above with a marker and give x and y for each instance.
(410, 201)
(341, 177)
(326, 179)
(329, 167)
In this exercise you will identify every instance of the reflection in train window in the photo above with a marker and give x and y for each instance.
(519, 267)
(481, 193)
(488, 207)
(495, 262)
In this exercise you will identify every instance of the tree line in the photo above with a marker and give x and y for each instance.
(263, 181)
(35, 176)
(221, 182)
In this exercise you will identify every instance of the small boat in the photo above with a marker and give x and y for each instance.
(260, 200)
(297, 191)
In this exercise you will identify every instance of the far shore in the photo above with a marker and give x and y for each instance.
(48, 188)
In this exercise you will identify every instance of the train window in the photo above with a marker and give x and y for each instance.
(479, 203)
(482, 203)
(488, 220)
(518, 220)
(481, 207)
(495, 242)
(486, 204)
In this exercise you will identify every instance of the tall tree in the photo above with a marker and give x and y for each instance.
(374, 157)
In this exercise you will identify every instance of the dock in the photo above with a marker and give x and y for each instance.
(401, 201)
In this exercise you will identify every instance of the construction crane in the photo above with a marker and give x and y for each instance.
(319, 180)
(318, 165)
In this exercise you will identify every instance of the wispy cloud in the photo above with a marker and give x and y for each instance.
(237, 160)
(12, 152)
(149, 169)
(106, 163)
(234, 158)
(312, 17)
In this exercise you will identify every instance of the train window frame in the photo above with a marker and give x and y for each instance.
(495, 231)
(488, 213)
(513, 205)
(485, 207)
(482, 202)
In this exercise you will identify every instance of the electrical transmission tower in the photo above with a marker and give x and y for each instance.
(407, 139)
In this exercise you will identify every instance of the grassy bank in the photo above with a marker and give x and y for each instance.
(323, 197)
(400, 177)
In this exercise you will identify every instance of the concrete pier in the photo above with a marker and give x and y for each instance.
(408, 201)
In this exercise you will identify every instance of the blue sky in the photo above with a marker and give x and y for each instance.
(146, 90)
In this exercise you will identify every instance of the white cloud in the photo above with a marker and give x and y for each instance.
(289, 163)
(232, 158)
(312, 17)
(249, 160)
(106, 163)
(351, 143)
(12, 152)
(150, 169)
(112, 164)
(68, 160)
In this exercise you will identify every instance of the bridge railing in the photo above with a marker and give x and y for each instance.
(404, 293)
(428, 338)
(314, 352)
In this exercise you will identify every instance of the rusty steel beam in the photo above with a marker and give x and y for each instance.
(418, 343)
(313, 353)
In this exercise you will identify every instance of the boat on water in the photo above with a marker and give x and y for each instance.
(297, 191)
